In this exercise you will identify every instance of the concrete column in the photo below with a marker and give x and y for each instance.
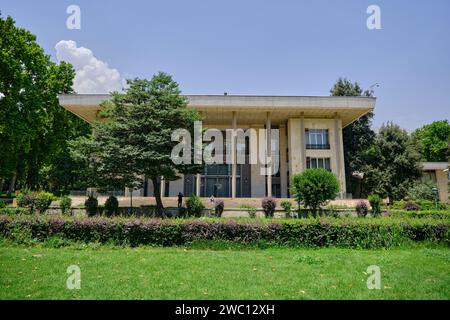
(233, 156)
(198, 181)
(258, 180)
(283, 160)
(269, 153)
(339, 143)
(296, 141)
(302, 142)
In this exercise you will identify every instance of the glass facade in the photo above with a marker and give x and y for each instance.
(317, 139)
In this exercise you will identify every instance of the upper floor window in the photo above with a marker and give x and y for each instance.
(312, 163)
(317, 139)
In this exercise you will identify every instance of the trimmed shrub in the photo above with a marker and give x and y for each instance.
(287, 207)
(25, 199)
(91, 205)
(43, 201)
(362, 208)
(375, 203)
(14, 211)
(313, 187)
(219, 205)
(111, 206)
(2, 204)
(194, 206)
(422, 190)
(347, 233)
(435, 214)
(268, 204)
(65, 203)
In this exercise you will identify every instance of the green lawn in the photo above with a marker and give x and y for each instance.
(38, 272)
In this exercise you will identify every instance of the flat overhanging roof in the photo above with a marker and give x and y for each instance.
(217, 109)
(434, 166)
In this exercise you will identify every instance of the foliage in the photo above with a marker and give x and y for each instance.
(2, 204)
(436, 214)
(268, 204)
(421, 204)
(434, 141)
(91, 205)
(411, 206)
(362, 208)
(375, 203)
(395, 164)
(358, 137)
(65, 203)
(111, 206)
(43, 200)
(136, 141)
(25, 199)
(349, 233)
(314, 187)
(219, 205)
(287, 207)
(194, 205)
(422, 189)
(32, 123)
(251, 210)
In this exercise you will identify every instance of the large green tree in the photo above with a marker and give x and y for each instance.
(358, 137)
(394, 165)
(32, 123)
(434, 141)
(134, 140)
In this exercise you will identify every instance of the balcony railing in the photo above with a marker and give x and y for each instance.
(318, 146)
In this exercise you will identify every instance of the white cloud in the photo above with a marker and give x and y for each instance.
(92, 75)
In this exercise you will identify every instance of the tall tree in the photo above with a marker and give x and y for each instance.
(31, 119)
(434, 141)
(357, 137)
(135, 140)
(395, 163)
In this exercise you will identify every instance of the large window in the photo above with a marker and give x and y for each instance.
(312, 163)
(317, 139)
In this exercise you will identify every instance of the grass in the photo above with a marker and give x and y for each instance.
(39, 272)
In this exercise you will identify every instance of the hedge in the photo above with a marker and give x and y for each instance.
(349, 233)
(437, 214)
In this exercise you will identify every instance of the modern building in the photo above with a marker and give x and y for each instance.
(438, 172)
(310, 136)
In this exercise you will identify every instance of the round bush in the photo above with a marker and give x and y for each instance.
(111, 206)
(91, 205)
(194, 206)
(362, 208)
(268, 204)
(313, 187)
(43, 200)
(65, 203)
(375, 203)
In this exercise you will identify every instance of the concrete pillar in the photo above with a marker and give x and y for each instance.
(198, 181)
(339, 143)
(258, 188)
(296, 143)
(283, 160)
(233, 156)
(269, 153)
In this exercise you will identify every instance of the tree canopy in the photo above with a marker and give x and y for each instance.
(135, 139)
(434, 141)
(33, 126)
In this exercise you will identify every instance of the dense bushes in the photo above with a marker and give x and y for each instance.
(65, 202)
(287, 207)
(43, 200)
(437, 214)
(351, 233)
(34, 200)
(111, 206)
(268, 204)
(91, 205)
(417, 205)
(194, 206)
(313, 187)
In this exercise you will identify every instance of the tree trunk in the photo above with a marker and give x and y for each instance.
(12, 184)
(2, 181)
(157, 193)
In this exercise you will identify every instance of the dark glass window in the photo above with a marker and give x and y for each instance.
(317, 139)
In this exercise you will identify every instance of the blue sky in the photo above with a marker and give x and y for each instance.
(266, 47)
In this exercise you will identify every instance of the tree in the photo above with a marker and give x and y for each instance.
(434, 141)
(394, 164)
(31, 119)
(134, 142)
(357, 136)
(313, 187)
